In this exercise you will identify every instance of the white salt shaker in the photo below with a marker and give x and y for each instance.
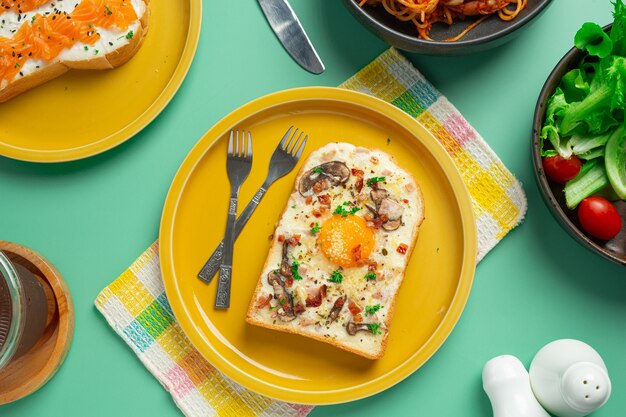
(569, 378)
(506, 382)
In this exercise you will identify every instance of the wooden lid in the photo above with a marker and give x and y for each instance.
(31, 371)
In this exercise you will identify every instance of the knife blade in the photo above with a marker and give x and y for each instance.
(291, 34)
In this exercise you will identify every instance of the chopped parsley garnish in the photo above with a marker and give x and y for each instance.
(388, 141)
(108, 11)
(343, 211)
(315, 229)
(294, 269)
(17, 65)
(294, 206)
(373, 327)
(130, 34)
(318, 170)
(375, 180)
(336, 277)
(86, 48)
(280, 302)
(370, 310)
(96, 52)
(370, 276)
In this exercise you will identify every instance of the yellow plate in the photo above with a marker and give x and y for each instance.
(291, 367)
(83, 113)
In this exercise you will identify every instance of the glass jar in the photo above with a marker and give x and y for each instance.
(23, 310)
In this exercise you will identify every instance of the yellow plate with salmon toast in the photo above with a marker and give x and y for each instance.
(83, 113)
(291, 367)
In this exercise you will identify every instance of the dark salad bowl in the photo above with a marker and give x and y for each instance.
(403, 35)
(553, 194)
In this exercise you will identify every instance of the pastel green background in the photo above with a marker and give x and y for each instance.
(92, 218)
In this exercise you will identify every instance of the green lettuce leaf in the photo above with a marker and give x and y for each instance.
(592, 39)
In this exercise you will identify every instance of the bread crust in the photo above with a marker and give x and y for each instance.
(387, 323)
(110, 60)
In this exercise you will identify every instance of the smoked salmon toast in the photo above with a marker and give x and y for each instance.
(42, 39)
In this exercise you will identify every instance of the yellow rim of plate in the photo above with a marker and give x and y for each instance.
(469, 245)
(130, 130)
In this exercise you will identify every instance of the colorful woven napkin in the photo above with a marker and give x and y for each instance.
(136, 306)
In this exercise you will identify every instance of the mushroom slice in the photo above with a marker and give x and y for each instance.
(378, 195)
(285, 299)
(353, 328)
(324, 176)
(390, 208)
(285, 267)
(334, 312)
(392, 225)
(388, 211)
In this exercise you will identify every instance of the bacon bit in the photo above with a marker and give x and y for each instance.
(354, 309)
(323, 209)
(323, 291)
(317, 213)
(402, 248)
(263, 302)
(357, 318)
(309, 200)
(316, 300)
(405, 201)
(371, 266)
(298, 309)
(374, 160)
(339, 302)
(324, 199)
(357, 172)
(378, 295)
(281, 238)
(318, 187)
(288, 282)
(359, 179)
(376, 222)
(356, 253)
(294, 240)
(313, 301)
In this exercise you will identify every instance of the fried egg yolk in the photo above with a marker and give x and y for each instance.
(346, 240)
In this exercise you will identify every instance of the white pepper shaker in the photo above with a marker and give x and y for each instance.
(569, 378)
(506, 382)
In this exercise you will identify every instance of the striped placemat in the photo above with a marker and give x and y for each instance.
(136, 306)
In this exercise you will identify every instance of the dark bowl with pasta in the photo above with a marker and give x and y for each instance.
(489, 32)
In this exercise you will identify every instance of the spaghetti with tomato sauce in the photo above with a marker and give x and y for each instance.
(424, 13)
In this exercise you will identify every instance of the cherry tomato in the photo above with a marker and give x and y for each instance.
(561, 170)
(599, 218)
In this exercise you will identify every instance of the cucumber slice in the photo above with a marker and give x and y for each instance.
(615, 160)
(591, 178)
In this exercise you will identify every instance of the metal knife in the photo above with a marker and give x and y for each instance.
(289, 31)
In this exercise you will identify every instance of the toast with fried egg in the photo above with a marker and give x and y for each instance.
(42, 39)
(340, 250)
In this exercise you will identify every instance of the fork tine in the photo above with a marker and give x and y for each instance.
(288, 146)
(237, 145)
(230, 144)
(284, 139)
(301, 148)
(249, 155)
(295, 144)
